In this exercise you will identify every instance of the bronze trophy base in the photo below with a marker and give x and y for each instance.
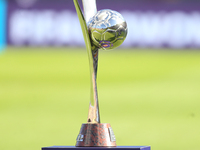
(96, 135)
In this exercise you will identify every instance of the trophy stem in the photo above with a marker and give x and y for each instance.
(90, 9)
(93, 133)
(93, 114)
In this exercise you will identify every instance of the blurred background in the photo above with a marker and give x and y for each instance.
(149, 88)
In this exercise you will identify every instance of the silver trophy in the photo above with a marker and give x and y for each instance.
(102, 30)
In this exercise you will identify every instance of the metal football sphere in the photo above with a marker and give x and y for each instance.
(107, 29)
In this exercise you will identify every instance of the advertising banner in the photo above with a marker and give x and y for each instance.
(151, 23)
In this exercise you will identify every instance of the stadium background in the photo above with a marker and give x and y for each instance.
(148, 88)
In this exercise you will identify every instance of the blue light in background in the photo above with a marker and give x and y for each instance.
(3, 6)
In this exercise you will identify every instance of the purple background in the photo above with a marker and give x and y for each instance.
(135, 6)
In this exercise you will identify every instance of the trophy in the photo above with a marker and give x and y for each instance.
(106, 30)
(102, 30)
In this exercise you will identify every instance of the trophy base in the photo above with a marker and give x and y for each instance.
(97, 148)
(96, 135)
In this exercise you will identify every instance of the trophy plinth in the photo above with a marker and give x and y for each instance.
(96, 134)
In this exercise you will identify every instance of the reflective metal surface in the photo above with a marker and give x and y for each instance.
(107, 29)
(112, 135)
(90, 9)
(96, 135)
(93, 114)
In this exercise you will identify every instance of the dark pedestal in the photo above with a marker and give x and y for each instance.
(97, 148)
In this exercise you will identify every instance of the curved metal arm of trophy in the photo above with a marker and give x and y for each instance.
(105, 29)
(93, 114)
(90, 10)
